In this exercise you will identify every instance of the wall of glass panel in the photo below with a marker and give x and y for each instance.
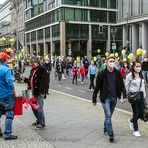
(135, 7)
(33, 36)
(56, 31)
(98, 16)
(75, 31)
(47, 32)
(97, 35)
(27, 37)
(71, 14)
(40, 34)
(144, 6)
(125, 8)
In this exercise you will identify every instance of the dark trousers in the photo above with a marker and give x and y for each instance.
(138, 111)
(74, 78)
(59, 76)
(47, 83)
(92, 77)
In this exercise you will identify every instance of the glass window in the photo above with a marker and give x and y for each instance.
(135, 7)
(47, 32)
(112, 4)
(40, 34)
(33, 36)
(145, 6)
(69, 14)
(77, 14)
(112, 17)
(125, 8)
(98, 16)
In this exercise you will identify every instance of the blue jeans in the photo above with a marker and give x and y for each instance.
(109, 106)
(7, 105)
(39, 113)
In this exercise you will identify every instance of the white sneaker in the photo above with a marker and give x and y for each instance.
(91, 90)
(136, 134)
(131, 124)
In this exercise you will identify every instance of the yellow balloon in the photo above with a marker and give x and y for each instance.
(94, 59)
(131, 56)
(112, 55)
(106, 54)
(123, 52)
(124, 59)
(144, 52)
(139, 52)
(11, 40)
(116, 55)
(3, 39)
(78, 59)
(99, 50)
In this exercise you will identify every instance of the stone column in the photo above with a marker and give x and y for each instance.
(45, 44)
(37, 45)
(145, 36)
(108, 40)
(89, 44)
(135, 38)
(31, 50)
(52, 47)
(62, 39)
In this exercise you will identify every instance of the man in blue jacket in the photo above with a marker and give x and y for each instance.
(7, 93)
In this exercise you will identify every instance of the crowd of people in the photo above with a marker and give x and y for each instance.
(115, 79)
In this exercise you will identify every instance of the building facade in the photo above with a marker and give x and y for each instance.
(5, 24)
(20, 20)
(133, 17)
(68, 27)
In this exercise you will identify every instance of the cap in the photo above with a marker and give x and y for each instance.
(3, 55)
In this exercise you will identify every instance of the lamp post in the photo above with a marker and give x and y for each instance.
(113, 33)
(127, 27)
(16, 7)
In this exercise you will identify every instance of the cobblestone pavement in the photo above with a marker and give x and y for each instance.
(73, 123)
(27, 138)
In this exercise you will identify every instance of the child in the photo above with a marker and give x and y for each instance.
(82, 73)
(74, 73)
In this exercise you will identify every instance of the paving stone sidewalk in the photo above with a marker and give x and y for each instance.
(73, 123)
(27, 138)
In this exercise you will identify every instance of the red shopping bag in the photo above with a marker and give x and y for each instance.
(18, 106)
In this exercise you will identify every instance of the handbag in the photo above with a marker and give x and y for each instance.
(145, 115)
(135, 96)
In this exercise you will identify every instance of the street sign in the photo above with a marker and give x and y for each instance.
(114, 46)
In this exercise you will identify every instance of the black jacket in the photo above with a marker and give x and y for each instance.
(101, 82)
(38, 81)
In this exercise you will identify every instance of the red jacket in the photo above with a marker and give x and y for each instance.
(82, 70)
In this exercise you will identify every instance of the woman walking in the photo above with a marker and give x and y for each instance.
(74, 73)
(92, 70)
(135, 85)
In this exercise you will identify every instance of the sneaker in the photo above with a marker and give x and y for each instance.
(34, 124)
(131, 124)
(39, 126)
(111, 138)
(105, 131)
(136, 134)
(12, 137)
(82, 82)
(91, 90)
